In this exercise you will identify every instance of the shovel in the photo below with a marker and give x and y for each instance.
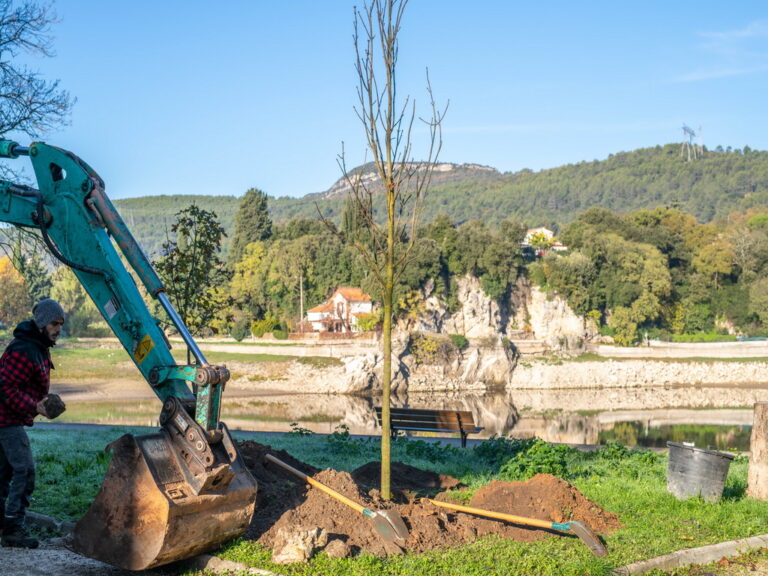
(586, 535)
(387, 523)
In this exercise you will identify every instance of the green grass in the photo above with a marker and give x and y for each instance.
(70, 467)
(589, 357)
(75, 364)
(320, 361)
(224, 357)
(256, 343)
(631, 484)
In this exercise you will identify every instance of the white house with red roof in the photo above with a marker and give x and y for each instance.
(340, 312)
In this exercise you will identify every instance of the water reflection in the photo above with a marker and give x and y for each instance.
(712, 417)
(705, 436)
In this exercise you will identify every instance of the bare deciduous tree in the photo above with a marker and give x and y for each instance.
(386, 242)
(28, 103)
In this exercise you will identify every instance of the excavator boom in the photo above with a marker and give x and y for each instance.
(184, 489)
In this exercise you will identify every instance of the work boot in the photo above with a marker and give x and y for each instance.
(16, 537)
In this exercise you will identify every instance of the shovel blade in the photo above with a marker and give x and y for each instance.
(385, 531)
(395, 525)
(588, 537)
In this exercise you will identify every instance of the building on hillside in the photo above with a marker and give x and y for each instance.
(531, 232)
(340, 312)
(547, 235)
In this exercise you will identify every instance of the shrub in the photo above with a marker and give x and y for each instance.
(711, 336)
(368, 322)
(497, 449)
(430, 349)
(537, 457)
(240, 329)
(341, 442)
(280, 334)
(297, 430)
(431, 451)
(261, 327)
(459, 341)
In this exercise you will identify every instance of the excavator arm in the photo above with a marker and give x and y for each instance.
(184, 489)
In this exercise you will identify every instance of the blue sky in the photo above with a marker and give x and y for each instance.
(194, 97)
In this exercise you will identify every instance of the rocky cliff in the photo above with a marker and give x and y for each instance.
(527, 314)
(495, 359)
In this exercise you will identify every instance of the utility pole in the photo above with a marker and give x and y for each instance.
(301, 301)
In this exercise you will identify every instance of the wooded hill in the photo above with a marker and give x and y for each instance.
(720, 182)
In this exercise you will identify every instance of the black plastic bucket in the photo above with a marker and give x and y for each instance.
(696, 472)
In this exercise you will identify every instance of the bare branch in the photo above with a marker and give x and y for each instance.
(28, 103)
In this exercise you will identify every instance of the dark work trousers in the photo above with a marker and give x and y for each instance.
(17, 474)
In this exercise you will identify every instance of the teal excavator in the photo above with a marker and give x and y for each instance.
(183, 489)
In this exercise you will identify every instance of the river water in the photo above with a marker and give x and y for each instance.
(711, 417)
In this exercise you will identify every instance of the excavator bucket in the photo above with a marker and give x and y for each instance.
(150, 511)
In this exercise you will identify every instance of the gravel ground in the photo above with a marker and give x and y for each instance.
(53, 559)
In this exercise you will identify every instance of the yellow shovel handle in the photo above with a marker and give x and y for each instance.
(312, 482)
(491, 514)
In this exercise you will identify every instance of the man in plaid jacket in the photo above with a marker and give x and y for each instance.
(25, 370)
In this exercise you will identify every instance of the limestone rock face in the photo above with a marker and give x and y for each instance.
(477, 368)
(478, 317)
(360, 374)
(552, 320)
(528, 313)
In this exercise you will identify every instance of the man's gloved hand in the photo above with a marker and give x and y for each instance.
(52, 406)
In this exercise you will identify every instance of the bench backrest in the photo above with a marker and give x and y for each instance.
(416, 418)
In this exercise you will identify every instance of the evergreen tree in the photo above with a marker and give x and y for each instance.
(37, 278)
(27, 259)
(252, 223)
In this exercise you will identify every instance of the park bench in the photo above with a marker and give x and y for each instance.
(421, 420)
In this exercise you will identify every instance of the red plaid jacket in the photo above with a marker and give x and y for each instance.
(25, 375)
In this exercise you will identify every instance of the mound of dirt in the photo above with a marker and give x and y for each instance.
(284, 501)
(405, 480)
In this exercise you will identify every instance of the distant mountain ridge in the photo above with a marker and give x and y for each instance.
(720, 182)
(444, 173)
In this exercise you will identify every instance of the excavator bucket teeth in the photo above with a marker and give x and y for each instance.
(147, 514)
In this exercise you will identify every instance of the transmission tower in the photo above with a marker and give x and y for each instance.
(689, 144)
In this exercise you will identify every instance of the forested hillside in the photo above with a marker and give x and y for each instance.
(720, 182)
(708, 188)
(150, 217)
(693, 264)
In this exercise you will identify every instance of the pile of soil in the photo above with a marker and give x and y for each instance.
(284, 501)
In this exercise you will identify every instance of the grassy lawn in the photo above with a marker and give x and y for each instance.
(75, 363)
(78, 364)
(631, 484)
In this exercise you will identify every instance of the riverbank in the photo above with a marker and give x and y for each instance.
(482, 368)
(618, 373)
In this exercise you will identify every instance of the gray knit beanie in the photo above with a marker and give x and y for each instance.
(46, 311)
